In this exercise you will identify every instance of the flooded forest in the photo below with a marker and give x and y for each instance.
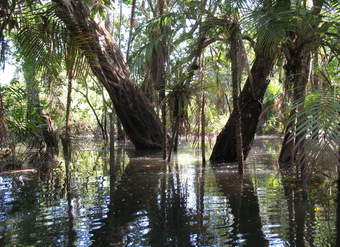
(169, 123)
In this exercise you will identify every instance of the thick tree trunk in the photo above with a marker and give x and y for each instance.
(132, 107)
(250, 102)
(298, 54)
(297, 69)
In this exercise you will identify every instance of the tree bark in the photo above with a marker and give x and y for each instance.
(298, 55)
(237, 65)
(250, 102)
(297, 69)
(132, 107)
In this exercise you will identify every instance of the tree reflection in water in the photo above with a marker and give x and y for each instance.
(147, 202)
(155, 204)
(243, 202)
(72, 234)
(154, 210)
(303, 228)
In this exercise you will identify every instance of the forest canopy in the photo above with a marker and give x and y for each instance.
(161, 70)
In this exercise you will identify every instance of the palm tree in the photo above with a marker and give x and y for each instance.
(318, 129)
(73, 22)
(251, 97)
(304, 33)
(287, 27)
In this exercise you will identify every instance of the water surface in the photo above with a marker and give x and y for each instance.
(136, 199)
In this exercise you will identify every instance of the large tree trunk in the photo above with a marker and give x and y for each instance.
(251, 98)
(298, 54)
(297, 70)
(132, 107)
(250, 106)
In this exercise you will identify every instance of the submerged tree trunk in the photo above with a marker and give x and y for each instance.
(156, 69)
(250, 102)
(297, 69)
(299, 46)
(132, 107)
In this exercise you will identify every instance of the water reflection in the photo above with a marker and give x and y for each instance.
(67, 185)
(243, 204)
(129, 198)
(304, 213)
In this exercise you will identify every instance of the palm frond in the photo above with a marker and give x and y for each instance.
(45, 40)
(319, 120)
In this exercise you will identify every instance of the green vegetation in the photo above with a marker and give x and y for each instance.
(157, 72)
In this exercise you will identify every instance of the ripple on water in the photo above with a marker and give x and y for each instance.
(153, 203)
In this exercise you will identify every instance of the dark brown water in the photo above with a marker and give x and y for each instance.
(147, 202)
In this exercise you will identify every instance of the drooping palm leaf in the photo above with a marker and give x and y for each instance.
(46, 41)
(319, 118)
